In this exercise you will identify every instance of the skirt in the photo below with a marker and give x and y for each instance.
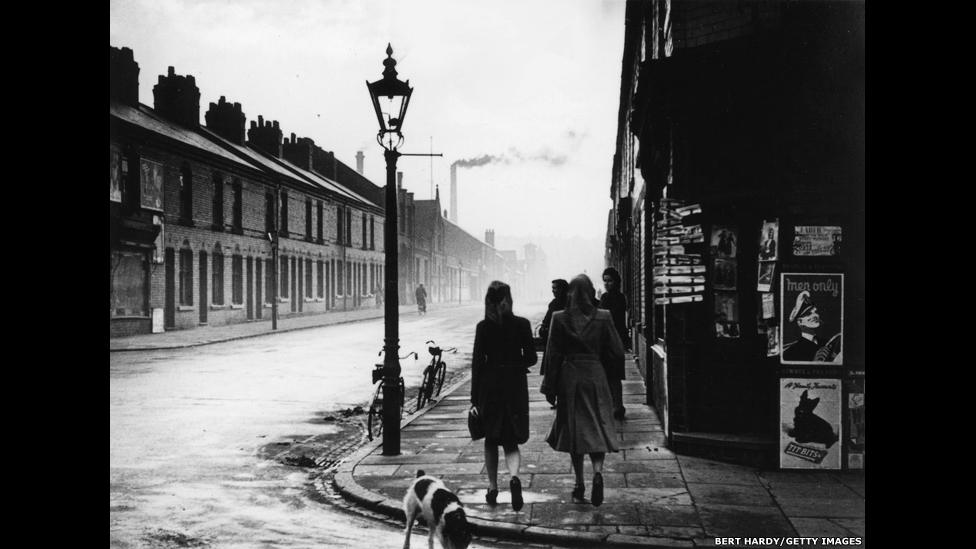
(584, 421)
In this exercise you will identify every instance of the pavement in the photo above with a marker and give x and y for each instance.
(653, 497)
(204, 335)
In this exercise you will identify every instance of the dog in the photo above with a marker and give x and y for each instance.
(808, 426)
(441, 510)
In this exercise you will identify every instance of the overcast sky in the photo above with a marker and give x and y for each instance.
(532, 83)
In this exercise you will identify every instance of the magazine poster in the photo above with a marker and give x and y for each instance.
(811, 318)
(772, 341)
(768, 306)
(724, 242)
(765, 277)
(810, 421)
(816, 240)
(855, 423)
(724, 276)
(726, 315)
(768, 239)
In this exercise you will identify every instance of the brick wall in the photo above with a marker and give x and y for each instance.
(700, 23)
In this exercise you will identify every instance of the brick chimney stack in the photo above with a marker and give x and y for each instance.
(265, 136)
(490, 237)
(226, 120)
(399, 180)
(454, 202)
(298, 151)
(359, 162)
(123, 76)
(177, 98)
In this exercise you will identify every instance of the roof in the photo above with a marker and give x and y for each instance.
(425, 212)
(146, 118)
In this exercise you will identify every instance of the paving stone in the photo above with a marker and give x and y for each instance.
(639, 466)
(856, 526)
(662, 496)
(623, 540)
(743, 521)
(657, 515)
(561, 514)
(689, 462)
(452, 468)
(652, 452)
(818, 477)
(730, 494)
(404, 458)
(818, 527)
(825, 507)
(602, 529)
(816, 490)
(375, 470)
(663, 479)
(562, 467)
(552, 481)
(682, 532)
(721, 476)
(633, 530)
(561, 536)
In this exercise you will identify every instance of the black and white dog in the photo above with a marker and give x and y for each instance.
(441, 510)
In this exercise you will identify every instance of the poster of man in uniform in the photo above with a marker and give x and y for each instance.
(816, 240)
(810, 423)
(724, 242)
(768, 238)
(812, 318)
(726, 315)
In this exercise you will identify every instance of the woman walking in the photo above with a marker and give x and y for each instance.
(503, 351)
(583, 346)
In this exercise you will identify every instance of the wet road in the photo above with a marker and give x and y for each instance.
(186, 427)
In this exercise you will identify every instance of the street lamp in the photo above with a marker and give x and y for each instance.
(390, 97)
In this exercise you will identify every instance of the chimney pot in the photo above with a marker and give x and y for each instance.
(260, 120)
(254, 124)
(222, 100)
(171, 71)
(293, 137)
(275, 123)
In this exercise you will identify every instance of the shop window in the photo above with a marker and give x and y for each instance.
(186, 195)
(237, 278)
(320, 271)
(128, 297)
(283, 281)
(238, 211)
(217, 277)
(218, 202)
(186, 276)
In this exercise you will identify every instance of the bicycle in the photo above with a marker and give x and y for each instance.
(374, 416)
(434, 375)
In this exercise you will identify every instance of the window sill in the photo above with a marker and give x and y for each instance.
(284, 300)
(217, 307)
(182, 308)
(237, 306)
(309, 300)
(319, 299)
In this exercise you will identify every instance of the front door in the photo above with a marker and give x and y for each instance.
(250, 289)
(204, 298)
(170, 319)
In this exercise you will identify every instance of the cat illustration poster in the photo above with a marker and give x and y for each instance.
(810, 423)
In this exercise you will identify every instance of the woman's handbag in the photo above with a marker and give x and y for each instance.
(475, 427)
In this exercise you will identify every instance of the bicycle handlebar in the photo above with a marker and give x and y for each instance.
(404, 357)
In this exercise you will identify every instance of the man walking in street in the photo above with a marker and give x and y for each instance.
(616, 302)
(421, 295)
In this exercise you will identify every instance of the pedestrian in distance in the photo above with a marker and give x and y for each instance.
(421, 295)
(503, 352)
(583, 346)
(615, 301)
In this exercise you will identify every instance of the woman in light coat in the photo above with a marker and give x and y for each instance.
(583, 345)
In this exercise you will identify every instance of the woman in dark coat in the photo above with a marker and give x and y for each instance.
(583, 347)
(503, 351)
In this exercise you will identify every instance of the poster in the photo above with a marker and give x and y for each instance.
(816, 240)
(724, 274)
(768, 306)
(765, 277)
(724, 242)
(726, 315)
(810, 420)
(772, 341)
(151, 195)
(811, 318)
(115, 175)
(855, 423)
(768, 239)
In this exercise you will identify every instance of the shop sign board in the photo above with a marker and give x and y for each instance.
(816, 240)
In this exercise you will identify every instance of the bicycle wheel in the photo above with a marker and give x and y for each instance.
(423, 392)
(374, 417)
(441, 373)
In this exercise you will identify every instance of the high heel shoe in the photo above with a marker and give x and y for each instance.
(597, 497)
(515, 485)
(492, 496)
(578, 492)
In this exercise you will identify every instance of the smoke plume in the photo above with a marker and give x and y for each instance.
(512, 156)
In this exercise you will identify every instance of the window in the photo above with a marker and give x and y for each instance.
(129, 275)
(365, 242)
(186, 194)
(218, 202)
(348, 227)
(268, 281)
(269, 212)
(283, 278)
(308, 219)
(217, 277)
(186, 276)
(308, 278)
(339, 280)
(238, 213)
(318, 212)
(237, 278)
(284, 213)
(372, 233)
(114, 175)
(340, 224)
(320, 271)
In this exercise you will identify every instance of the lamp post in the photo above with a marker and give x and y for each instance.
(390, 98)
